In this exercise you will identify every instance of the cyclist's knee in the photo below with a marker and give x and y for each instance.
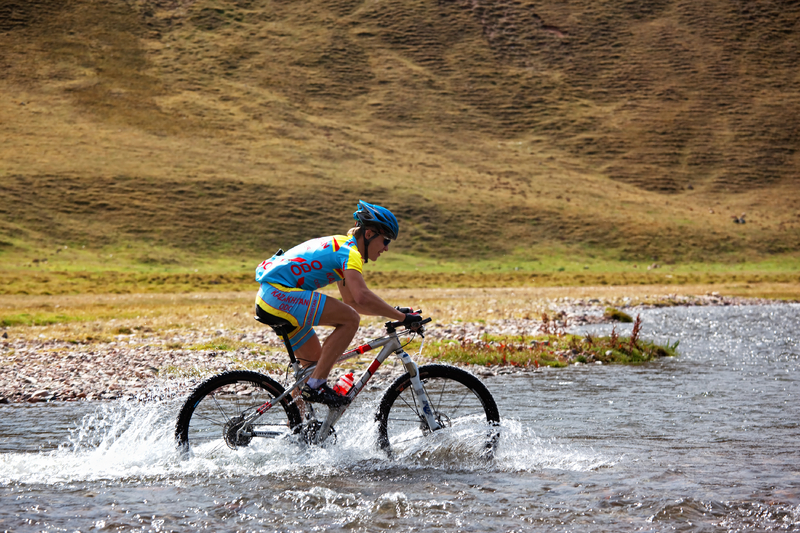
(351, 319)
(340, 315)
(347, 319)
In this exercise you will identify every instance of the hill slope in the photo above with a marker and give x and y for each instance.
(501, 126)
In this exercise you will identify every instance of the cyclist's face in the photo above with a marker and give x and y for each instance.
(378, 245)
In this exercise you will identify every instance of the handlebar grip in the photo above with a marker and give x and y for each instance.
(392, 325)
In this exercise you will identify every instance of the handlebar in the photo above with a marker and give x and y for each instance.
(417, 326)
(394, 325)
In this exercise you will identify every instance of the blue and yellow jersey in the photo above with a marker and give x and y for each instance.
(312, 264)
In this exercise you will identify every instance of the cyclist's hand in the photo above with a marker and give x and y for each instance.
(411, 319)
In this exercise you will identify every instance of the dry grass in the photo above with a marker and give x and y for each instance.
(101, 317)
(492, 128)
(529, 302)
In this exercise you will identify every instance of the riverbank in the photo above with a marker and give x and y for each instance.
(105, 359)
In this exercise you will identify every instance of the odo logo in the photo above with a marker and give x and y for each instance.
(299, 269)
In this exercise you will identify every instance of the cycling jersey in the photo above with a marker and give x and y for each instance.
(288, 281)
(312, 264)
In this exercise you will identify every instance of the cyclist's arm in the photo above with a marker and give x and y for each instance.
(357, 295)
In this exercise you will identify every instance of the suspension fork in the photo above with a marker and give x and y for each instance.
(419, 391)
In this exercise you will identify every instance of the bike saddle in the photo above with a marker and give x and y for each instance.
(280, 325)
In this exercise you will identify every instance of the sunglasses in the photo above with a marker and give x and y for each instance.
(386, 240)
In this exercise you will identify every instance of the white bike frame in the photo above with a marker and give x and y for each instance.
(388, 344)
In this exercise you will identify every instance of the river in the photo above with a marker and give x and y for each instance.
(707, 441)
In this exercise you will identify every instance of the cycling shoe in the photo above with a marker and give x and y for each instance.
(324, 395)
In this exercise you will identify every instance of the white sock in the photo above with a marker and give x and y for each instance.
(316, 383)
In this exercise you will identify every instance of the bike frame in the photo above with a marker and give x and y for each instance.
(388, 344)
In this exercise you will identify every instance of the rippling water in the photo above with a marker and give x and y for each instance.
(709, 441)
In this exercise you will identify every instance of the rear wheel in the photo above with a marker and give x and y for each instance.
(458, 399)
(212, 418)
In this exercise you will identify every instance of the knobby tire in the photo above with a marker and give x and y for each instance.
(456, 396)
(222, 398)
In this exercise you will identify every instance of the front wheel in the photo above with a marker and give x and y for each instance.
(212, 418)
(459, 400)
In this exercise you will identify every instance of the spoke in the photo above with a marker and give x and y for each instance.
(219, 407)
(453, 402)
(464, 397)
(441, 395)
(229, 400)
(455, 409)
(268, 434)
(238, 402)
(414, 407)
(208, 419)
(212, 452)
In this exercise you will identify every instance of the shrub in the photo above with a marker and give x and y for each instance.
(613, 313)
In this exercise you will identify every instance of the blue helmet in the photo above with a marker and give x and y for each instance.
(375, 215)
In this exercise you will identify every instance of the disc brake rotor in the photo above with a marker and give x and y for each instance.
(233, 438)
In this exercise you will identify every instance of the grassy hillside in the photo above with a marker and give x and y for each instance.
(159, 134)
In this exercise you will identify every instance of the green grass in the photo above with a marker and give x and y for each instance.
(550, 346)
(550, 350)
(238, 364)
(78, 271)
(225, 345)
(615, 314)
(36, 319)
(259, 366)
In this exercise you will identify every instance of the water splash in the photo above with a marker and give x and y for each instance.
(520, 450)
(133, 439)
(119, 440)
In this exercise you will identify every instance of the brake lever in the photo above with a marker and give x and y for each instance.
(416, 327)
(419, 328)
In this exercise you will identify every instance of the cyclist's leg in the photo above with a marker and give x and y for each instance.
(309, 352)
(306, 355)
(306, 309)
(345, 320)
(302, 309)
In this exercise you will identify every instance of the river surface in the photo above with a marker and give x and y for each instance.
(707, 441)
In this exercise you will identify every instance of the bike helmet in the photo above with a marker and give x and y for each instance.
(375, 215)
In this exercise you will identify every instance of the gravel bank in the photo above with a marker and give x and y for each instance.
(53, 370)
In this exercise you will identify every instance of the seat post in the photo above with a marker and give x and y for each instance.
(285, 336)
(281, 327)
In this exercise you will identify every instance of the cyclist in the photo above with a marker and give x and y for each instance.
(288, 290)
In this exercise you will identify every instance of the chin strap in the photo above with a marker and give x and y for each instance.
(366, 246)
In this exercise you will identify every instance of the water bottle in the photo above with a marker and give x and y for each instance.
(344, 383)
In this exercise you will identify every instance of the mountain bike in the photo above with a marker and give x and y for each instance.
(238, 408)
